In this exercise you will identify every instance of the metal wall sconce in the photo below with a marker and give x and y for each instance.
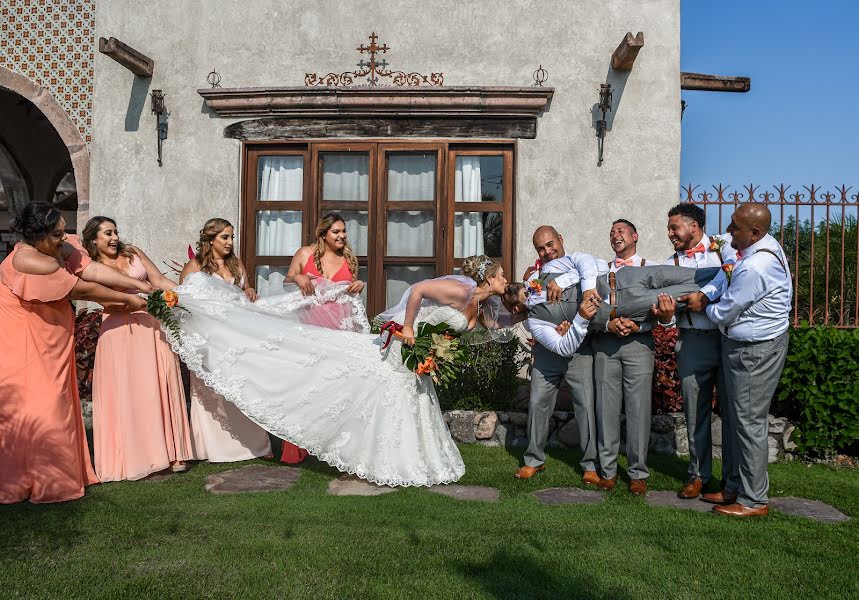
(160, 110)
(604, 106)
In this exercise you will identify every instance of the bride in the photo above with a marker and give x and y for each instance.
(336, 392)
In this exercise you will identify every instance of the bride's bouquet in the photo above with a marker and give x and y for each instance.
(437, 351)
(160, 304)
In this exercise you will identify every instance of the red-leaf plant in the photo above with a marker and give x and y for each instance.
(667, 395)
(87, 325)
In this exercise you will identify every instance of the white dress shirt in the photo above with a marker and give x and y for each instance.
(756, 305)
(545, 334)
(614, 267)
(713, 289)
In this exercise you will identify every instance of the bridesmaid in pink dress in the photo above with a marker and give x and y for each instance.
(44, 456)
(221, 432)
(140, 423)
(329, 257)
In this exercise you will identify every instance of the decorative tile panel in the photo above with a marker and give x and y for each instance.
(53, 43)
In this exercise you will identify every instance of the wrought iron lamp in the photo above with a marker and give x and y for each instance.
(604, 106)
(159, 109)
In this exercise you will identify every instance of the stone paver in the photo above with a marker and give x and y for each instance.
(569, 496)
(253, 478)
(467, 492)
(349, 485)
(811, 509)
(670, 499)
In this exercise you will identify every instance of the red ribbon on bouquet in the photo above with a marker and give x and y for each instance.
(392, 328)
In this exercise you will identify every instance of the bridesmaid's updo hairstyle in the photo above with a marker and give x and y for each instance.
(322, 228)
(36, 222)
(205, 254)
(479, 268)
(90, 233)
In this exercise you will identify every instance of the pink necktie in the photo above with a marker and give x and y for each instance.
(623, 262)
(695, 250)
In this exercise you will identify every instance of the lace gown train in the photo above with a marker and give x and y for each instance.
(333, 392)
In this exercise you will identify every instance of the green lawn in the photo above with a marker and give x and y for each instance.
(173, 539)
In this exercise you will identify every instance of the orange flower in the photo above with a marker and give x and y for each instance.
(427, 366)
(728, 268)
(714, 246)
(171, 298)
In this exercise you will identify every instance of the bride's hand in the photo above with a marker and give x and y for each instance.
(408, 335)
(304, 284)
(356, 288)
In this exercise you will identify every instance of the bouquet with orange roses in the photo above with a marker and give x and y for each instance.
(437, 351)
(160, 304)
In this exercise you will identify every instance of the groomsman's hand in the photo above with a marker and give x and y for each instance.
(588, 294)
(664, 308)
(622, 326)
(553, 292)
(563, 328)
(695, 302)
(588, 308)
(528, 272)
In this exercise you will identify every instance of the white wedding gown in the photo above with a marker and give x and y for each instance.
(332, 392)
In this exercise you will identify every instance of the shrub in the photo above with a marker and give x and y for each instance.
(667, 394)
(488, 379)
(87, 326)
(819, 390)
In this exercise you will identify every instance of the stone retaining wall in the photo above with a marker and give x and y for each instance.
(667, 432)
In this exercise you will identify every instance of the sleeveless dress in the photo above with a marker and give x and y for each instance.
(336, 393)
(140, 423)
(44, 456)
(220, 432)
(322, 316)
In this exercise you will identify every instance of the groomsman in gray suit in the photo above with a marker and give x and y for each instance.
(623, 374)
(699, 347)
(753, 315)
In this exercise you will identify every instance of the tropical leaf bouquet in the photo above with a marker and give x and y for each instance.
(438, 351)
(160, 304)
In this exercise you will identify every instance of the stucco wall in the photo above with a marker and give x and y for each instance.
(482, 43)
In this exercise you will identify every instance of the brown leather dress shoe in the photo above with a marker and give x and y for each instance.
(607, 484)
(738, 510)
(591, 478)
(692, 489)
(638, 487)
(720, 497)
(527, 472)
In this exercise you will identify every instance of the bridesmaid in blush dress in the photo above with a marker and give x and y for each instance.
(221, 432)
(329, 258)
(140, 424)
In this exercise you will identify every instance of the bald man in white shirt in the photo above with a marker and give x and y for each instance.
(753, 315)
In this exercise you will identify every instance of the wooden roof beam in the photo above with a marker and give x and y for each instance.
(714, 83)
(624, 55)
(136, 62)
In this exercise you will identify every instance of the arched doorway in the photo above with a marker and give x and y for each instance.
(42, 155)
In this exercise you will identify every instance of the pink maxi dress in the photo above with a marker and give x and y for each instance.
(140, 422)
(318, 315)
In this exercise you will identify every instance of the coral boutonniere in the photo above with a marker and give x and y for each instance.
(728, 268)
(716, 244)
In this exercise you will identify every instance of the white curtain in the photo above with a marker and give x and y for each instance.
(399, 278)
(411, 177)
(357, 231)
(410, 233)
(269, 280)
(468, 226)
(281, 177)
(345, 177)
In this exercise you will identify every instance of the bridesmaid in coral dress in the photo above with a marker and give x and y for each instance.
(221, 432)
(329, 257)
(44, 456)
(140, 423)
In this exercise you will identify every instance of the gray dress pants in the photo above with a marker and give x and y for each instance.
(546, 376)
(752, 373)
(623, 372)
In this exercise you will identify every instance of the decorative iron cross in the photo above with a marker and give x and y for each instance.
(372, 49)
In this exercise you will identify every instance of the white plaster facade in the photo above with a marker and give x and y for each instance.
(474, 43)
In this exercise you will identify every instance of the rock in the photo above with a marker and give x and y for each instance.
(569, 434)
(503, 417)
(253, 478)
(681, 441)
(569, 496)
(462, 426)
(518, 442)
(776, 425)
(717, 452)
(789, 444)
(520, 419)
(86, 409)
(661, 443)
(716, 431)
(774, 449)
(670, 499)
(810, 509)
(562, 416)
(486, 424)
(467, 492)
(349, 485)
(501, 432)
(661, 424)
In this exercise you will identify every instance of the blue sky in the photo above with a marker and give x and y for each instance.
(799, 124)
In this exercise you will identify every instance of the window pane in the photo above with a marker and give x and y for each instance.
(399, 278)
(269, 280)
(356, 230)
(278, 232)
(280, 178)
(477, 233)
(362, 276)
(345, 176)
(411, 177)
(410, 233)
(479, 179)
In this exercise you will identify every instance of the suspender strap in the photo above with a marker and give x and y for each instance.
(612, 296)
(676, 260)
(642, 262)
